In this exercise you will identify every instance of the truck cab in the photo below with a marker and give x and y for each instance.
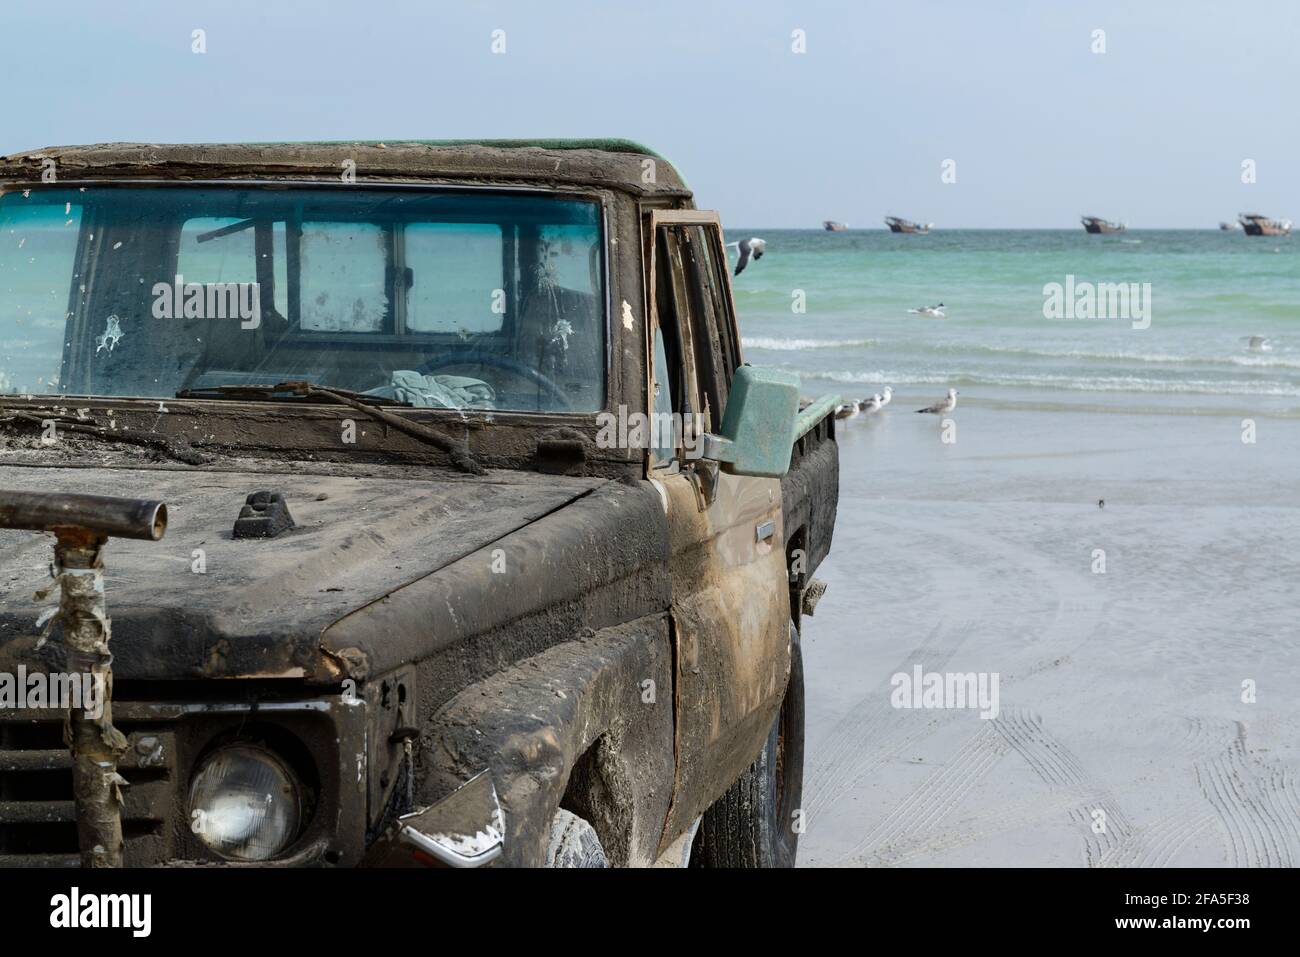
(485, 546)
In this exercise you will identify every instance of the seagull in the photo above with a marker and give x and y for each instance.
(947, 405)
(848, 410)
(874, 404)
(886, 396)
(1257, 343)
(934, 312)
(746, 247)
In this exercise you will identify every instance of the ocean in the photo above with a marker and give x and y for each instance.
(1108, 522)
(1209, 291)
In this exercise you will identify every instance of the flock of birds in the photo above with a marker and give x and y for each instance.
(754, 247)
(847, 410)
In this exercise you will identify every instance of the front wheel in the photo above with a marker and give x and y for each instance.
(758, 821)
(573, 843)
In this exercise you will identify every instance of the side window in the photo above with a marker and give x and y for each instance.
(661, 404)
(671, 392)
(716, 356)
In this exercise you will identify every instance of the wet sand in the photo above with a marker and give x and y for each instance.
(1122, 737)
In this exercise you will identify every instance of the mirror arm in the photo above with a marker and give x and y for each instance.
(716, 448)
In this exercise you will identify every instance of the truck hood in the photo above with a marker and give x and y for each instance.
(201, 603)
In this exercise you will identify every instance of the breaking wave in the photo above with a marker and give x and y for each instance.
(1253, 360)
(799, 345)
(1074, 383)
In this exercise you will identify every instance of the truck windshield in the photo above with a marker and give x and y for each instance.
(433, 298)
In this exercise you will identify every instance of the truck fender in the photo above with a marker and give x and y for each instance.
(601, 704)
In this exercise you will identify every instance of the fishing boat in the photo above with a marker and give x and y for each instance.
(897, 225)
(831, 226)
(1095, 224)
(1256, 224)
(1230, 227)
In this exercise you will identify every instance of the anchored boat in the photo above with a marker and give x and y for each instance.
(1256, 224)
(1095, 224)
(831, 226)
(898, 225)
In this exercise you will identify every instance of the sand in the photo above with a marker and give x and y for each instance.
(1122, 737)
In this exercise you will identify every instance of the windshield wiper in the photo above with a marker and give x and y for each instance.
(279, 392)
(369, 405)
(177, 448)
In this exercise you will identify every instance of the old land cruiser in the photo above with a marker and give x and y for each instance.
(395, 569)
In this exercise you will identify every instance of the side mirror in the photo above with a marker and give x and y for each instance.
(757, 434)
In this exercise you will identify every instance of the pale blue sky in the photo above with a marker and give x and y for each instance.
(1152, 132)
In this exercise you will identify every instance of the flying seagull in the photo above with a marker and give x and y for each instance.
(1257, 343)
(934, 312)
(947, 405)
(747, 247)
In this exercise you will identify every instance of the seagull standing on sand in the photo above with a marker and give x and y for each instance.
(947, 405)
(748, 247)
(848, 410)
(874, 404)
(933, 312)
(886, 396)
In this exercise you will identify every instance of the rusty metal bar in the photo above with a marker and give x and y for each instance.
(102, 514)
(82, 525)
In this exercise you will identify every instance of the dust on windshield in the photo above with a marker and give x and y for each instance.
(431, 298)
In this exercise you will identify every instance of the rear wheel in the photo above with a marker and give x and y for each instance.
(754, 823)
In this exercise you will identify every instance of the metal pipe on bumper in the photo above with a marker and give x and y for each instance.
(103, 515)
(82, 525)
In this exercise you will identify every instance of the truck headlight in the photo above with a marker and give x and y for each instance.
(245, 803)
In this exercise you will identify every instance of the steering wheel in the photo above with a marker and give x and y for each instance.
(496, 361)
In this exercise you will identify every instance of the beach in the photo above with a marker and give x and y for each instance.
(1122, 737)
(1120, 691)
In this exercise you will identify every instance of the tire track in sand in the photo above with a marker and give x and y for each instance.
(932, 800)
(1157, 844)
(874, 730)
(1256, 805)
(1059, 769)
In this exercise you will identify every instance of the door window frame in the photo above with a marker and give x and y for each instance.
(712, 224)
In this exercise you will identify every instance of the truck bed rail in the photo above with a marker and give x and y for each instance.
(810, 416)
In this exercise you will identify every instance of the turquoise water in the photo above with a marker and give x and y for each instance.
(1208, 291)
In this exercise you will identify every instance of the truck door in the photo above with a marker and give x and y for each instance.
(730, 604)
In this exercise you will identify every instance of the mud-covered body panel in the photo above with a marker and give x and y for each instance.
(258, 607)
(532, 723)
(730, 621)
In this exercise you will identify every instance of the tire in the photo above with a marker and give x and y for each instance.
(574, 843)
(753, 824)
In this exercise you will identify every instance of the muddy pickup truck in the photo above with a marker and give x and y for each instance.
(482, 543)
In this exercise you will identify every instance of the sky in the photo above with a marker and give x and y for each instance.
(1040, 127)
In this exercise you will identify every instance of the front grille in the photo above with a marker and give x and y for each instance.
(37, 813)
